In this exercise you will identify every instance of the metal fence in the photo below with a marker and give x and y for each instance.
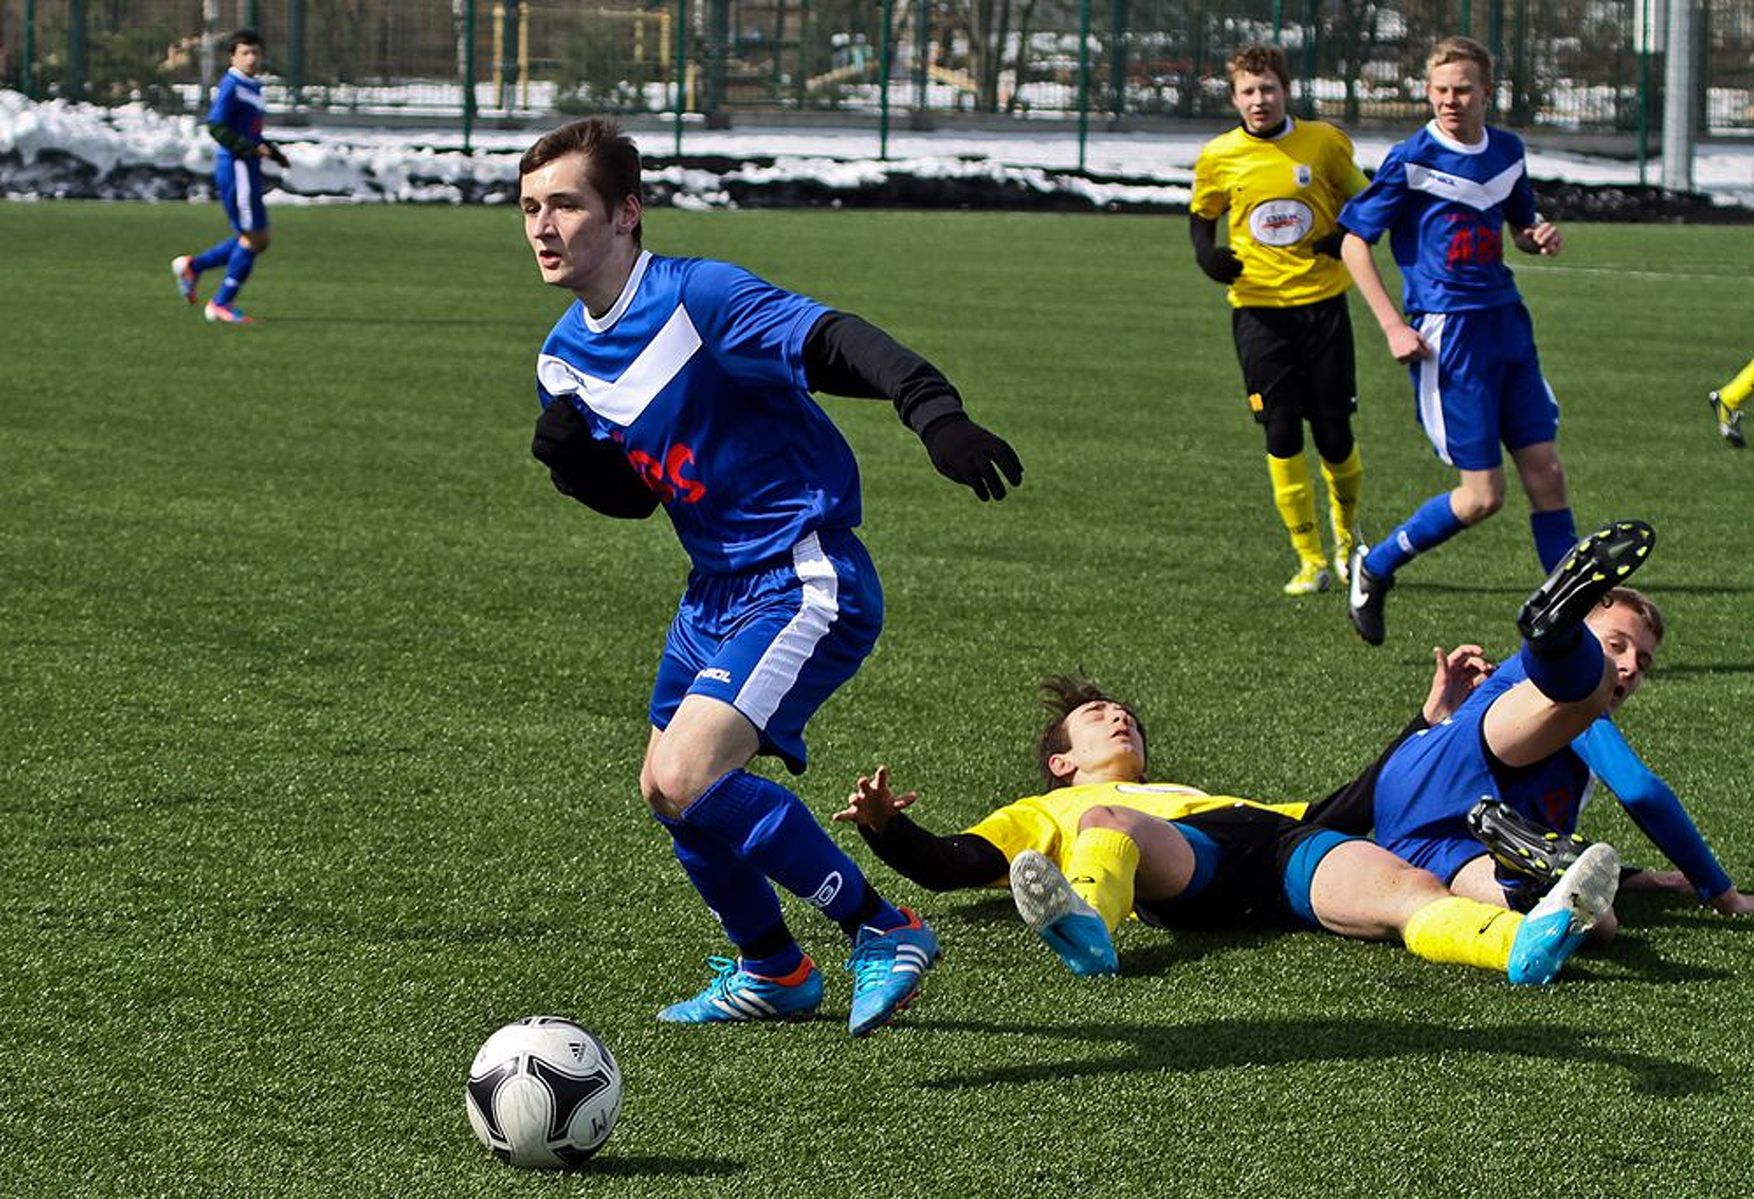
(1574, 64)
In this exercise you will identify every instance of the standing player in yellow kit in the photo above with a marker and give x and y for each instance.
(1282, 182)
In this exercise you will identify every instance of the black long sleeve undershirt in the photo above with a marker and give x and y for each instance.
(846, 355)
(934, 862)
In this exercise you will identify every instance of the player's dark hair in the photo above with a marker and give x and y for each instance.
(1062, 695)
(611, 159)
(1258, 60)
(241, 37)
(1642, 606)
(1461, 49)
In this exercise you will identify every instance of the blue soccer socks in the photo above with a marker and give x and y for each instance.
(1434, 523)
(1555, 533)
(238, 266)
(213, 256)
(738, 894)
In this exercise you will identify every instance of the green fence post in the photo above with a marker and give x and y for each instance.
(253, 14)
(1495, 43)
(1306, 81)
(1117, 58)
(26, 65)
(508, 55)
(883, 82)
(73, 84)
(1278, 22)
(1083, 79)
(295, 50)
(922, 44)
(1467, 29)
(468, 76)
(681, 71)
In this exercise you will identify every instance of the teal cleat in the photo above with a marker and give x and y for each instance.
(1071, 927)
(737, 996)
(1557, 925)
(887, 968)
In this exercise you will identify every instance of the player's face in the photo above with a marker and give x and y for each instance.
(579, 243)
(247, 59)
(1629, 646)
(1104, 741)
(1458, 100)
(1259, 101)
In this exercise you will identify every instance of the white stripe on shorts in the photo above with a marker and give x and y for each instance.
(242, 195)
(779, 667)
(1430, 395)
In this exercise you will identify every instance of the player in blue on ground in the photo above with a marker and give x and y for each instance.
(235, 122)
(686, 382)
(1535, 736)
(1103, 841)
(1444, 196)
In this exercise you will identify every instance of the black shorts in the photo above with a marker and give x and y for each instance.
(1298, 357)
(1248, 889)
(1351, 808)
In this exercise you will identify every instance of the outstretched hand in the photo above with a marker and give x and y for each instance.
(270, 150)
(873, 804)
(1453, 679)
(965, 453)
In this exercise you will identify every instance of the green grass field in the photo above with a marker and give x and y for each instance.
(320, 717)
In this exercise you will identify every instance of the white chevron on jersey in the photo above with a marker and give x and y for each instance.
(622, 400)
(1478, 196)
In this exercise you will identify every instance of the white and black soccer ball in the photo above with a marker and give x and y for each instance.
(543, 1092)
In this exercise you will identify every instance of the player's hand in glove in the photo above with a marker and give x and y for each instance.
(595, 473)
(270, 150)
(1329, 244)
(965, 453)
(1221, 265)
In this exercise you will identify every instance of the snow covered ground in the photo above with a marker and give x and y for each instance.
(58, 149)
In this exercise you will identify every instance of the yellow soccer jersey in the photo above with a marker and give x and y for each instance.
(1049, 823)
(1282, 194)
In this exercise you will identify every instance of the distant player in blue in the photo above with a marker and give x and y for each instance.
(686, 382)
(1444, 196)
(235, 122)
(1534, 737)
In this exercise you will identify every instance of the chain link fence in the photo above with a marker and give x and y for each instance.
(1568, 64)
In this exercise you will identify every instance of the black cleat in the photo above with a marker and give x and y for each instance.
(1595, 565)
(1729, 420)
(1364, 598)
(1523, 848)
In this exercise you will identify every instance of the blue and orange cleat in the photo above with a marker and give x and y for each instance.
(225, 314)
(182, 268)
(736, 996)
(887, 968)
(1556, 926)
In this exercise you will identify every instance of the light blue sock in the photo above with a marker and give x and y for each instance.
(1434, 523)
(237, 269)
(1555, 533)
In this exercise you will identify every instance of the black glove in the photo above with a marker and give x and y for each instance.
(965, 453)
(1329, 244)
(1221, 265)
(277, 155)
(595, 473)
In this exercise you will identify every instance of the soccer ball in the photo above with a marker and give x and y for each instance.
(543, 1093)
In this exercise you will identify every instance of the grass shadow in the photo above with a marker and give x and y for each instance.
(1233, 1044)
(649, 1166)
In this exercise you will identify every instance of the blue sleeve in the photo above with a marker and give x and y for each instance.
(220, 111)
(755, 331)
(1652, 806)
(1370, 213)
(1519, 208)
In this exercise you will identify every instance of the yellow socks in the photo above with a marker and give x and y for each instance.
(1345, 482)
(1464, 931)
(1295, 499)
(1736, 390)
(1100, 869)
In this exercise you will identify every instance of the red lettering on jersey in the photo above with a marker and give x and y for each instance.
(666, 479)
(1474, 245)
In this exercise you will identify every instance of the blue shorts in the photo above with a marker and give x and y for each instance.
(240, 192)
(1425, 790)
(1252, 868)
(1482, 385)
(774, 641)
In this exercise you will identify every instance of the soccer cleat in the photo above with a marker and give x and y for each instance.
(735, 996)
(1557, 925)
(183, 269)
(1310, 578)
(1592, 568)
(1523, 848)
(225, 314)
(887, 968)
(1057, 914)
(1364, 598)
(1729, 420)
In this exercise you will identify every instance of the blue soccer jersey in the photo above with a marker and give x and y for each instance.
(1444, 205)
(697, 373)
(238, 105)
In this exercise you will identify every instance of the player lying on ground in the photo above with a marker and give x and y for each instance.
(1726, 405)
(1444, 197)
(1103, 842)
(686, 382)
(1534, 736)
(1280, 182)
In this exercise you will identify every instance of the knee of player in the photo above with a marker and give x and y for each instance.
(1474, 505)
(668, 785)
(1104, 816)
(257, 241)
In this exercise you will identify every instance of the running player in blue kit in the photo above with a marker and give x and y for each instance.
(686, 383)
(1444, 196)
(235, 122)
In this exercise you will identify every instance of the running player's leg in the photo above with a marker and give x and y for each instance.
(1330, 363)
(1267, 350)
(1726, 405)
(1529, 424)
(250, 217)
